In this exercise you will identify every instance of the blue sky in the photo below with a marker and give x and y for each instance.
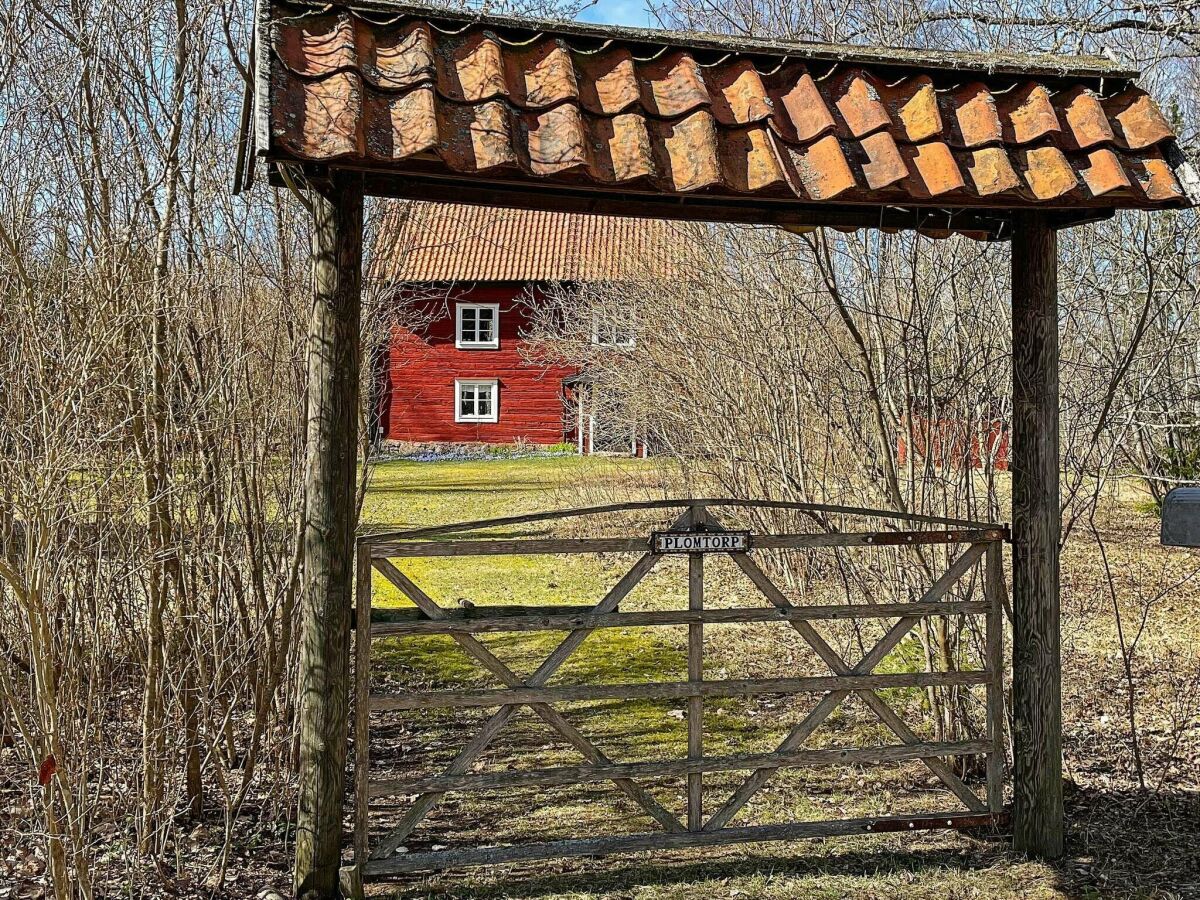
(617, 12)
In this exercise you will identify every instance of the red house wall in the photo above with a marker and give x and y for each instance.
(418, 397)
(946, 442)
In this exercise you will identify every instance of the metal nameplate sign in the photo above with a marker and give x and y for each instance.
(700, 542)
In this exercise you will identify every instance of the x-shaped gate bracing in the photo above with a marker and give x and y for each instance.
(859, 679)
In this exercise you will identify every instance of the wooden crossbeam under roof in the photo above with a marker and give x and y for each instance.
(518, 112)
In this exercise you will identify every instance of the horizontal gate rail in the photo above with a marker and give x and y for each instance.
(386, 549)
(670, 690)
(416, 622)
(983, 543)
(603, 846)
(813, 509)
(566, 775)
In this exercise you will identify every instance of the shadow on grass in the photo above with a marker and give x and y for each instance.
(494, 534)
(1131, 843)
(621, 879)
(460, 487)
(1119, 844)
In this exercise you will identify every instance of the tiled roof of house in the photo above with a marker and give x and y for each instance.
(411, 90)
(451, 242)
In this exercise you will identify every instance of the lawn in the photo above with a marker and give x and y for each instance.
(1107, 825)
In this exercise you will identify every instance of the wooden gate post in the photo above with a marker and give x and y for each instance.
(329, 481)
(1037, 672)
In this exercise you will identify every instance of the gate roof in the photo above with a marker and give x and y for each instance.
(517, 112)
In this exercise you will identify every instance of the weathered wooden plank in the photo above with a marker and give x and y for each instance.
(508, 547)
(668, 690)
(571, 775)
(482, 856)
(559, 546)
(695, 713)
(388, 615)
(994, 650)
(644, 505)
(553, 619)
(1037, 525)
(327, 591)
(362, 703)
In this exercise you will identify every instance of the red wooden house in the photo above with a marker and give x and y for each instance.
(467, 279)
(953, 443)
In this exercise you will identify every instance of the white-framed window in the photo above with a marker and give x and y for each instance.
(476, 401)
(613, 331)
(477, 326)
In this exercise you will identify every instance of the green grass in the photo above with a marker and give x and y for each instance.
(406, 494)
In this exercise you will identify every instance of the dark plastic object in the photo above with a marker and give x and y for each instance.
(1181, 518)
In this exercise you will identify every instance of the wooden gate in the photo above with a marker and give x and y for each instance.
(981, 546)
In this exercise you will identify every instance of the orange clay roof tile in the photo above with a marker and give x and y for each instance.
(622, 146)
(857, 98)
(801, 114)
(1087, 123)
(822, 168)
(672, 86)
(471, 69)
(556, 140)
(688, 151)
(1155, 178)
(1103, 172)
(914, 107)
(543, 74)
(608, 82)
(932, 170)
(417, 94)
(1048, 172)
(402, 58)
(973, 111)
(401, 125)
(738, 94)
(748, 160)
(1139, 121)
(884, 165)
(991, 172)
(1027, 113)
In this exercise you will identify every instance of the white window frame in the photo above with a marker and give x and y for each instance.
(493, 416)
(493, 344)
(599, 340)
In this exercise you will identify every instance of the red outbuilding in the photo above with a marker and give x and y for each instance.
(466, 283)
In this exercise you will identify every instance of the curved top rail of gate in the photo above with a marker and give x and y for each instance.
(551, 515)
